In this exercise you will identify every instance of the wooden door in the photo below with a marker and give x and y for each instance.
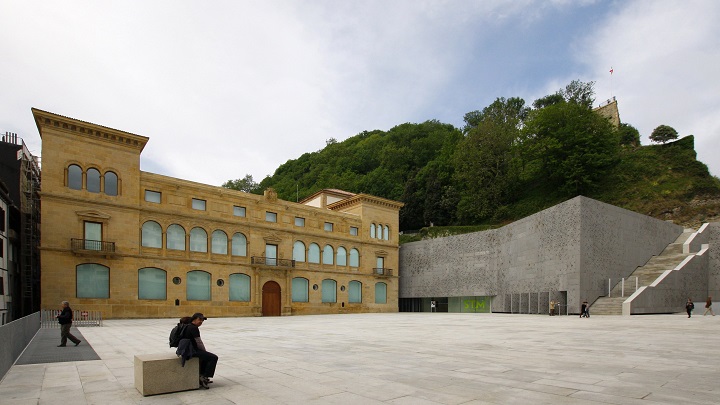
(271, 299)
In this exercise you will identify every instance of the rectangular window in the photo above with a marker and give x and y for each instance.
(93, 236)
(270, 216)
(299, 221)
(198, 204)
(239, 211)
(2, 286)
(271, 255)
(354, 231)
(152, 196)
(2, 220)
(328, 226)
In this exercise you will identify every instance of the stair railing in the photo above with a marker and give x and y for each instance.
(622, 286)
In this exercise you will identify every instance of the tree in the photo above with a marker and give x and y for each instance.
(663, 134)
(245, 184)
(629, 135)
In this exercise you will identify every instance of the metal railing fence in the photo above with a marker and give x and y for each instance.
(48, 318)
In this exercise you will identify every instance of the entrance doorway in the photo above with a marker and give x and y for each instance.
(271, 299)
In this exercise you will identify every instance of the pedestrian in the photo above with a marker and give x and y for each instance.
(689, 306)
(552, 307)
(432, 306)
(65, 319)
(586, 311)
(708, 307)
(582, 309)
(208, 361)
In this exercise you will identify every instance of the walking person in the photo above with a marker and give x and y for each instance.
(208, 361)
(552, 307)
(689, 306)
(65, 319)
(582, 309)
(708, 307)
(586, 311)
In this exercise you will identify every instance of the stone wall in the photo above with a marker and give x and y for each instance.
(574, 247)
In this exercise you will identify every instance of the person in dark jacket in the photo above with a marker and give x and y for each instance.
(65, 319)
(208, 361)
(689, 306)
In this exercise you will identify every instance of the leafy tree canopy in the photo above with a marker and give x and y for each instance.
(245, 184)
(663, 134)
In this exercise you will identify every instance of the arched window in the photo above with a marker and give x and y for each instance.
(341, 256)
(314, 253)
(354, 258)
(75, 177)
(300, 289)
(355, 292)
(198, 285)
(379, 231)
(93, 180)
(380, 293)
(239, 245)
(175, 237)
(328, 253)
(329, 290)
(152, 284)
(386, 234)
(198, 240)
(92, 281)
(298, 251)
(111, 183)
(219, 242)
(151, 235)
(372, 231)
(239, 287)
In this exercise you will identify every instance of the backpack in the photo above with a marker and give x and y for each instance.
(176, 334)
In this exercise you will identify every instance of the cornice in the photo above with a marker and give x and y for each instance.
(45, 119)
(365, 198)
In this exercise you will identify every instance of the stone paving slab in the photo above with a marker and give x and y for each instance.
(403, 358)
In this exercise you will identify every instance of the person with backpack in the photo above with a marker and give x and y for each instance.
(177, 333)
(208, 361)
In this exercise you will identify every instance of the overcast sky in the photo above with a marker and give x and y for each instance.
(229, 88)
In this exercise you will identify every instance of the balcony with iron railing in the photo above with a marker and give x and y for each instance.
(92, 247)
(271, 261)
(381, 271)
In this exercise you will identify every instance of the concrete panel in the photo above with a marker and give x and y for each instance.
(15, 336)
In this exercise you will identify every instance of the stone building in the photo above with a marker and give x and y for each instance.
(132, 244)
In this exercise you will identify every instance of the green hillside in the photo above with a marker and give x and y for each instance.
(509, 161)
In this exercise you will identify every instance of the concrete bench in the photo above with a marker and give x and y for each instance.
(163, 373)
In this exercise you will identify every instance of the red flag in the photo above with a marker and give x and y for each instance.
(611, 70)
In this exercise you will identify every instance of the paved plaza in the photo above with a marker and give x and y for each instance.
(402, 358)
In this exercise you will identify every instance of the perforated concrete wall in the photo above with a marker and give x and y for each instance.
(574, 247)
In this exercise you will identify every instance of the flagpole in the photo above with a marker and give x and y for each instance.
(611, 86)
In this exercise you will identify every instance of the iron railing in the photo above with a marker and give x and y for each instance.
(271, 261)
(48, 318)
(92, 245)
(381, 271)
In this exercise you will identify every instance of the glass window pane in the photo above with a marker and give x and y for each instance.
(239, 211)
(379, 231)
(239, 287)
(328, 226)
(329, 290)
(314, 253)
(198, 285)
(175, 237)
(380, 263)
(299, 221)
(151, 234)
(75, 177)
(111, 183)
(328, 255)
(271, 217)
(271, 255)
(353, 231)
(355, 292)
(93, 236)
(152, 196)
(300, 289)
(372, 231)
(219, 242)
(93, 180)
(354, 258)
(341, 256)
(386, 234)
(299, 251)
(198, 240)
(198, 204)
(152, 284)
(93, 281)
(239, 245)
(381, 293)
